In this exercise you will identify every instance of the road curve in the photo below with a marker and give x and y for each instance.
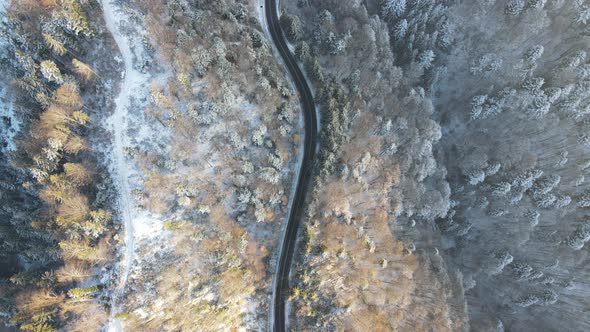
(280, 290)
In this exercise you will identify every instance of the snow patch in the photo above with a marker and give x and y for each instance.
(10, 123)
(124, 124)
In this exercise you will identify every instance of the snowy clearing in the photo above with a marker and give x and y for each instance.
(138, 224)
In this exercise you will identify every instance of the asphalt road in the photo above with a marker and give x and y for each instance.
(280, 291)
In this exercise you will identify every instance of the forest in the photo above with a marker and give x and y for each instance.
(150, 153)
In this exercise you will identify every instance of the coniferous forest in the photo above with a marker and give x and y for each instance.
(300, 165)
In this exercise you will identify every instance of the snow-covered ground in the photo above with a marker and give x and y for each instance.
(9, 121)
(138, 224)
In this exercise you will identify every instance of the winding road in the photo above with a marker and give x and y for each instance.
(280, 291)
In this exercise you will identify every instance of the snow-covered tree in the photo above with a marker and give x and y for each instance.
(532, 217)
(426, 59)
(400, 29)
(579, 237)
(291, 24)
(393, 8)
(259, 134)
(51, 72)
(514, 7)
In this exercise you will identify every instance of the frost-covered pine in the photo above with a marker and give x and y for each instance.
(478, 100)
(579, 180)
(325, 17)
(545, 201)
(477, 103)
(525, 179)
(185, 201)
(247, 167)
(336, 45)
(539, 106)
(73, 17)
(26, 61)
(244, 196)
(572, 61)
(218, 47)
(547, 297)
(584, 200)
(562, 201)
(536, 4)
(264, 84)
(533, 54)
(496, 212)
(426, 59)
(51, 72)
(545, 184)
(579, 237)
(552, 94)
(521, 270)
(258, 135)
(514, 7)
(302, 51)
(584, 15)
(236, 140)
(393, 8)
(201, 60)
(584, 139)
(204, 209)
(533, 84)
(260, 212)
(292, 26)
(492, 169)
(286, 113)
(275, 161)
(475, 177)
(499, 261)
(488, 63)
(515, 198)
(532, 217)
(270, 175)
(285, 130)
(526, 301)
(400, 30)
(500, 189)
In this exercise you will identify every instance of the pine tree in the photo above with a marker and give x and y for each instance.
(77, 173)
(291, 24)
(51, 72)
(75, 17)
(514, 7)
(533, 54)
(393, 8)
(83, 69)
(400, 30)
(426, 58)
(55, 45)
(83, 293)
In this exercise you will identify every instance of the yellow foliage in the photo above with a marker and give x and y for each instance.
(81, 117)
(72, 272)
(83, 69)
(77, 173)
(38, 299)
(68, 94)
(74, 208)
(55, 45)
(78, 250)
(75, 144)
